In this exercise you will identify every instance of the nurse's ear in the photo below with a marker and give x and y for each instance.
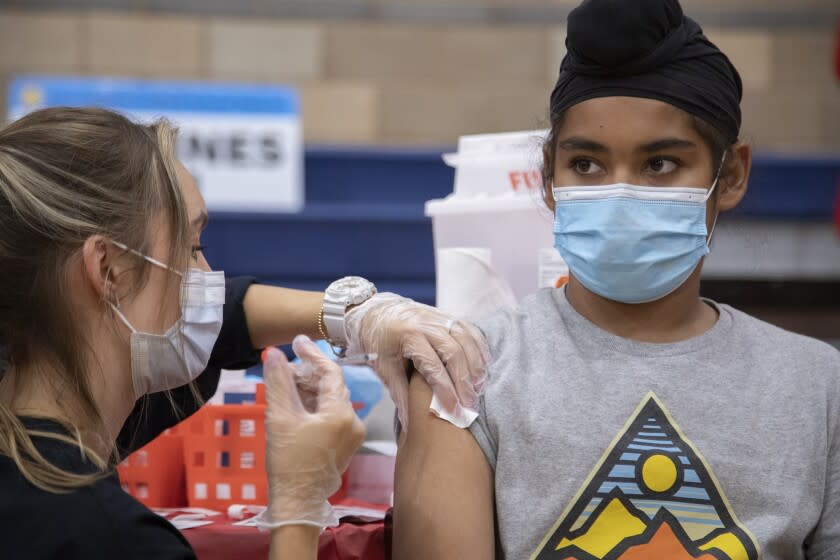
(101, 265)
(734, 177)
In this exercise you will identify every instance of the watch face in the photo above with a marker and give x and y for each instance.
(352, 289)
(351, 283)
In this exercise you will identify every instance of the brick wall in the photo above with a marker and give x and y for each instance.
(392, 80)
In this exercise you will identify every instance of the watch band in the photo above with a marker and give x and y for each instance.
(333, 318)
(338, 297)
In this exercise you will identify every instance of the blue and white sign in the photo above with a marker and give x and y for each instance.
(243, 143)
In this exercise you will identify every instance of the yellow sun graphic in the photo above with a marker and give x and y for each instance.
(659, 473)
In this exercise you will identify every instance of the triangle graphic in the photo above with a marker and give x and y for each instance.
(652, 495)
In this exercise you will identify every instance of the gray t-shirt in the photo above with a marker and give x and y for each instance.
(723, 446)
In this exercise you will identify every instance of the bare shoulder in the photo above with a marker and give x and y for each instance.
(443, 500)
(425, 427)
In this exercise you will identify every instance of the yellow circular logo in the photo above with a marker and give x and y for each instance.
(659, 473)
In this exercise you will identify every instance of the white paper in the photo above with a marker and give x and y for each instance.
(187, 518)
(467, 284)
(184, 524)
(383, 447)
(340, 511)
(462, 417)
(163, 512)
(250, 522)
(367, 514)
(238, 511)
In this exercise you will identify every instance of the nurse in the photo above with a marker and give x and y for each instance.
(114, 328)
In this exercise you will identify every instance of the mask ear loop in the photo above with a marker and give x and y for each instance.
(155, 262)
(116, 308)
(709, 195)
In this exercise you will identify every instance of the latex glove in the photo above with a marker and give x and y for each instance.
(312, 433)
(450, 355)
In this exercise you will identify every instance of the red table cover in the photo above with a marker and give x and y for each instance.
(349, 541)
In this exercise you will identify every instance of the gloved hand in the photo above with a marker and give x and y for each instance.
(450, 355)
(312, 432)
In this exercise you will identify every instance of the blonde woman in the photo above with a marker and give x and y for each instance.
(114, 327)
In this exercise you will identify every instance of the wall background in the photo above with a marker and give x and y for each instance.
(418, 71)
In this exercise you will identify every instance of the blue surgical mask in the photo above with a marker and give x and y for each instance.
(629, 243)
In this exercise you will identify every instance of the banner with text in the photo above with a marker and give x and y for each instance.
(243, 143)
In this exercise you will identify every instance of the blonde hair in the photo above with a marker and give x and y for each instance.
(65, 175)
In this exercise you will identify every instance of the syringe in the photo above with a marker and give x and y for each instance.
(304, 372)
(357, 360)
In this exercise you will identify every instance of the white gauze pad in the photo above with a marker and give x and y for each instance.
(462, 418)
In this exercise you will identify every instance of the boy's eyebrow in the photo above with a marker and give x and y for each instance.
(576, 143)
(667, 144)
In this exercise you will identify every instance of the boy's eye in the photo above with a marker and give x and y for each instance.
(662, 166)
(585, 166)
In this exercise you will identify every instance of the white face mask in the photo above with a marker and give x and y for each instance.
(165, 361)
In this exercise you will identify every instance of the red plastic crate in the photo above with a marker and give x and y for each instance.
(154, 474)
(224, 456)
(213, 459)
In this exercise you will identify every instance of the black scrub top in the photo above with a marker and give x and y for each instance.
(101, 521)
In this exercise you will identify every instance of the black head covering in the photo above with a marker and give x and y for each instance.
(647, 48)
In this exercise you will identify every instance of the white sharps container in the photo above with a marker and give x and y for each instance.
(493, 235)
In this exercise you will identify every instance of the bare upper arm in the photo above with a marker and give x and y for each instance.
(443, 499)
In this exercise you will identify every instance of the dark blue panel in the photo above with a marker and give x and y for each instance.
(791, 188)
(364, 215)
(391, 245)
(376, 176)
(786, 187)
(312, 244)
